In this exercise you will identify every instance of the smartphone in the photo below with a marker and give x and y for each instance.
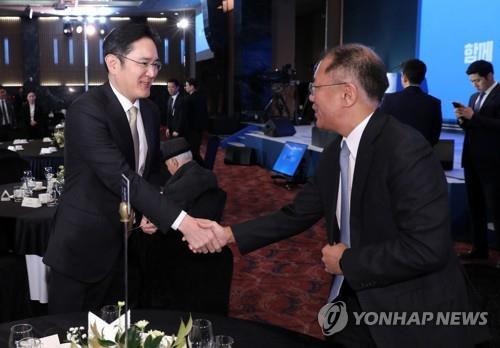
(457, 105)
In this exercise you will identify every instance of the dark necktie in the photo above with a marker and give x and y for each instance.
(345, 230)
(171, 106)
(477, 104)
(135, 134)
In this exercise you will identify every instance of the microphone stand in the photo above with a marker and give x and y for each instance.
(125, 218)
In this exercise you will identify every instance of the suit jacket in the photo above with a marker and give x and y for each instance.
(196, 113)
(482, 133)
(87, 235)
(176, 121)
(401, 257)
(12, 114)
(417, 109)
(40, 117)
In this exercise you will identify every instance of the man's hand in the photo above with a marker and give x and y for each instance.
(200, 239)
(223, 234)
(464, 112)
(147, 226)
(331, 257)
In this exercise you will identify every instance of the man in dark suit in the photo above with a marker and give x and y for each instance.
(7, 116)
(176, 119)
(110, 131)
(382, 186)
(174, 281)
(413, 106)
(481, 154)
(197, 117)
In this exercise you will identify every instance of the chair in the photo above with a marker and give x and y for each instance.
(211, 152)
(12, 166)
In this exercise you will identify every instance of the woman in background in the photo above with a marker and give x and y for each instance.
(34, 117)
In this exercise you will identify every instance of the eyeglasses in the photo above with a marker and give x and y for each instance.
(157, 65)
(312, 87)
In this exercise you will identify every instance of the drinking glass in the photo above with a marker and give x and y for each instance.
(49, 174)
(201, 334)
(18, 194)
(29, 342)
(18, 332)
(222, 341)
(109, 313)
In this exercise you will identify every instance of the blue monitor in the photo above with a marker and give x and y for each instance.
(289, 158)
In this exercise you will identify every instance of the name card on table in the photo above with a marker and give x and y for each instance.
(11, 148)
(47, 150)
(47, 140)
(19, 141)
(5, 196)
(19, 148)
(51, 341)
(30, 202)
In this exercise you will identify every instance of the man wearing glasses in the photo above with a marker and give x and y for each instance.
(110, 131)
(384, 197)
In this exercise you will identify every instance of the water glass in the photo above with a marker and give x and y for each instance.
(29, 342)
(18, 332)
(18, 194)
(109, 313)
(222, 341)
(201, 334)
(49, 173)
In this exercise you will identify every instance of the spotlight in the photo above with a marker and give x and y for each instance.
(67, 29)
(28, 11)
(90, 29)
(79, 29)
(103, 30)
(183, 23)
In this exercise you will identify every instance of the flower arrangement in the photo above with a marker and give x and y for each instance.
(60, 173)
(59, 135)
(136, 336)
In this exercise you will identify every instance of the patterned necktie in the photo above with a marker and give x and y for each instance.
(345, 230)
(135, 134)
(477, 104)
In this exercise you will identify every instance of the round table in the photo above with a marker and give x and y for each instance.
(246, 334)
(37, 162)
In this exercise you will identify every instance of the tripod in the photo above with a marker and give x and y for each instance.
(277, 102)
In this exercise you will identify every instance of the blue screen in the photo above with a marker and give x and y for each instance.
(202, 49)
(289, 158)
(452, 34)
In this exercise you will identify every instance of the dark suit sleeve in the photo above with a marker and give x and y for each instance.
(419, 242)
(306, 209)
(437, 123)
(101, 154)
(385, 105)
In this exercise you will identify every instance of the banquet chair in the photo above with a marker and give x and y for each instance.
(12, 166)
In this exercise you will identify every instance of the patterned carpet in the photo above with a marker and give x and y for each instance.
(285, 284)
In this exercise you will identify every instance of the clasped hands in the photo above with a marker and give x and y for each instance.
(202, 235)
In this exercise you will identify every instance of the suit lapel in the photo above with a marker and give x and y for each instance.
(489, 97)
(334, 230)
(119, 121)
(364, 160)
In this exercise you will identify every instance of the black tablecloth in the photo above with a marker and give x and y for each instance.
(32, 225)
(246, 334)
(31, 154)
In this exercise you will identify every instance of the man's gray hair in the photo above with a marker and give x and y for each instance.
(184, 157)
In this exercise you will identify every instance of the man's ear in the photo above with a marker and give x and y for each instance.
(112, 62)
(350, 94)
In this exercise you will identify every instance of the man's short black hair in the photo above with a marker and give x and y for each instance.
(174, 81)
(414, 70)
(192, 82)
(480, 67)
(120, 39)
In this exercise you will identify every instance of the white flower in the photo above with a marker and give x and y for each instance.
(141, 324)
(155, 333)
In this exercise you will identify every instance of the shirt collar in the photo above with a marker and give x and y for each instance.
(490, 89)
(354, 137)
(124, 101)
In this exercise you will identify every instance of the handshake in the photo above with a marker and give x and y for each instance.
(202, 235)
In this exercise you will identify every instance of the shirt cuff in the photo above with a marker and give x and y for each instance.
(178, 221)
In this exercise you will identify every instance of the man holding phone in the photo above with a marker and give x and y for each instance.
(481, 154)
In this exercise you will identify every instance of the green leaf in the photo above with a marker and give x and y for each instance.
(106, 343)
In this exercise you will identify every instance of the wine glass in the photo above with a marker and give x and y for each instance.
(201, 334)
(18, 332)
(222, 341)
(49, 173)
(109, 313)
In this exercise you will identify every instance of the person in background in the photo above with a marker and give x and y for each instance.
(176, 119)
(111, 131)
(197, 118)
(413, 106)
(34, 117)
(173, 274)
(7, 116)
(384, 197)
(481, 154)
